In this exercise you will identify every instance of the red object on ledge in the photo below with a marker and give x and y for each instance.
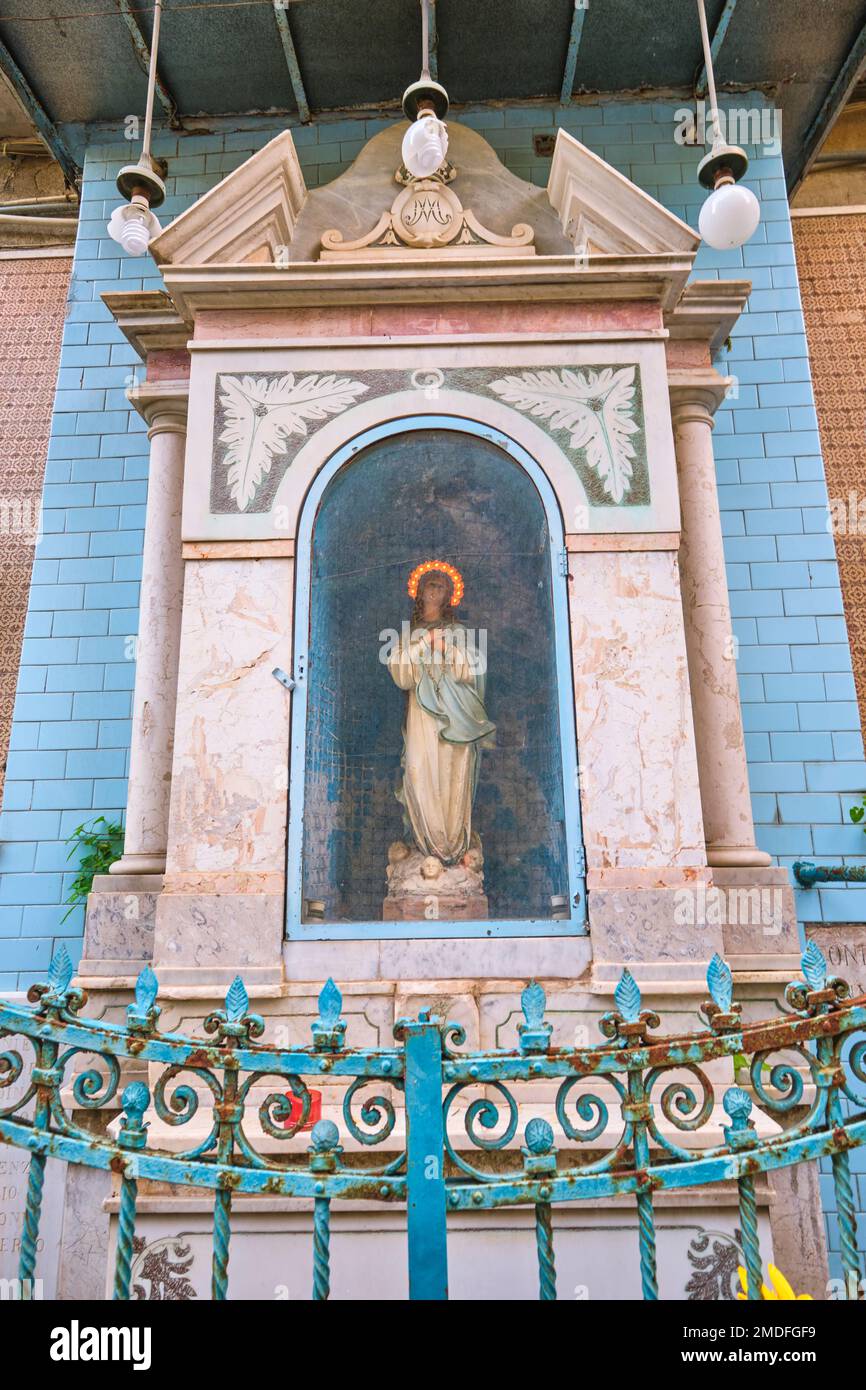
(298, 1105)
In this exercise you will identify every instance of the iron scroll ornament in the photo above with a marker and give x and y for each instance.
(616, 1122)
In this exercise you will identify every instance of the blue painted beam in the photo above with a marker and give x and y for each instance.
(580, 9)
(846, 80)
(716, 42)
(142, 53)
(297, 81)
(39, 116)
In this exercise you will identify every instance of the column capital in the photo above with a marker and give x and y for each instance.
(163, 404)
(696, 395)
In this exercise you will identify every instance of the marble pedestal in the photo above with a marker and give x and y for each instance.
(119, 926)
(435, 908)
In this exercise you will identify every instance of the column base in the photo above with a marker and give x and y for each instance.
(139, 864)
(737, 857)
(207, 939)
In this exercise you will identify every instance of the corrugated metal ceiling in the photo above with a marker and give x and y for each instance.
(225, 57)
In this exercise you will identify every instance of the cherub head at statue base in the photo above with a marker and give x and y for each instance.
(412, 873)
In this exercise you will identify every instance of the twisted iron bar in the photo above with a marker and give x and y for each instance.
(841, 1165)
(321, 1249)
(647, 1240)
(125, 1236)
(544, 1241)
(222, 1212)
(749, 1228)
(32, 1212)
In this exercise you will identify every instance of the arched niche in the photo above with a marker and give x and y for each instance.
(416, 489)
(339, 438)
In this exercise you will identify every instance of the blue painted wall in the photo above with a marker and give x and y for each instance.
(70, 738)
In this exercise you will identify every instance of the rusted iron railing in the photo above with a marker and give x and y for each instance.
(807, 875)
(810, 1098)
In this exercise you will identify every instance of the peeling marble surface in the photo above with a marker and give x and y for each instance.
(229, 781)
(639, 781)
(83, 1268)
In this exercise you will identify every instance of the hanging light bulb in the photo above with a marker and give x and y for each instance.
(134, 225)
(425, 105)
(732, 212)
(425, 145)
(730, 215)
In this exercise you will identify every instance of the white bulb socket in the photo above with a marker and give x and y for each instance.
(730, 216)
(425, 145)
(134, 226)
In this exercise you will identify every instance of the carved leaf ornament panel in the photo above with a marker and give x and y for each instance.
(262, 420)
(596, 408)
(261, 411)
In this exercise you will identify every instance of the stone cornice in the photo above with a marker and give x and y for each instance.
(707, 311)
(148, 320)
(419, 279)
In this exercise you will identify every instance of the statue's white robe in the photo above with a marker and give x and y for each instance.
(446, 723)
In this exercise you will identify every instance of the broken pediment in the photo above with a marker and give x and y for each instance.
(263, 214)
(603, 212)
(249, 218)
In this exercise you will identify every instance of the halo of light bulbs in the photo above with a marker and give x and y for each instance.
(444, 568)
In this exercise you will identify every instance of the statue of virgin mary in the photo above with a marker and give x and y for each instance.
(446, 723)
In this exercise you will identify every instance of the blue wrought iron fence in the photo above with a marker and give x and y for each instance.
(811, 1091)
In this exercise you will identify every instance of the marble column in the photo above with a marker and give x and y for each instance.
(164, 407)
(710, 645)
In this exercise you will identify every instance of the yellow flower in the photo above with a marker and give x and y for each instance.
(781, 1288)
